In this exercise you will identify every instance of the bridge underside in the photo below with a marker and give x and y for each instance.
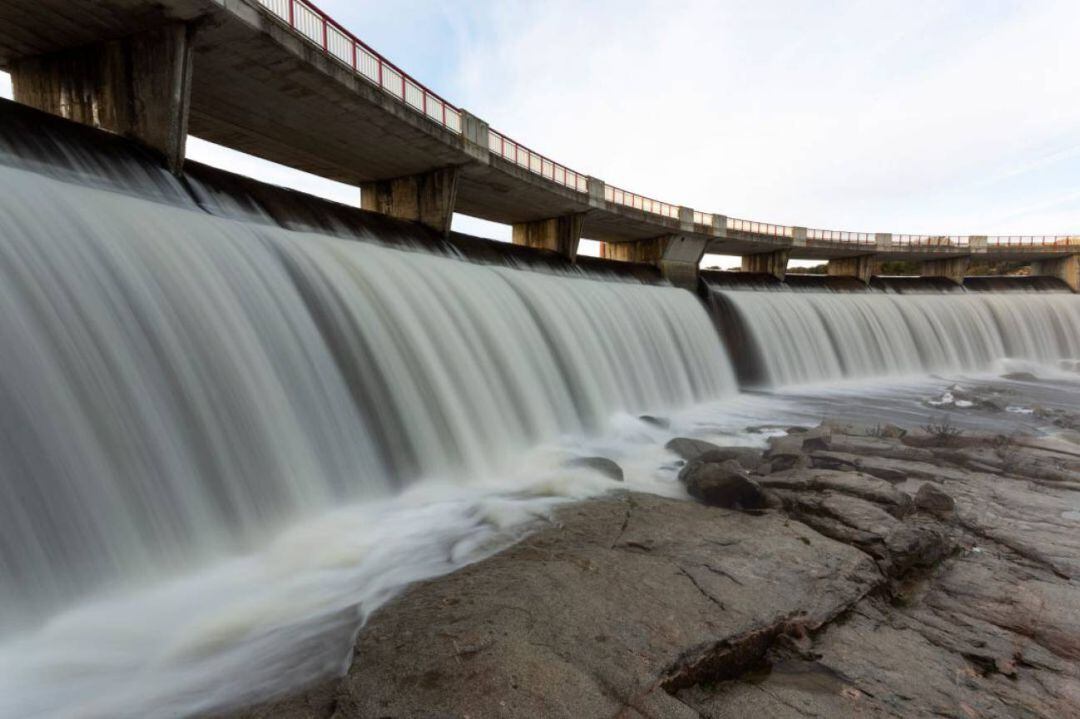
(259, 87)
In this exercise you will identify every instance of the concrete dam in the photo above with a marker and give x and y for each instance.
(237, 420)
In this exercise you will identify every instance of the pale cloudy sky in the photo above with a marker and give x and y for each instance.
(915, 116)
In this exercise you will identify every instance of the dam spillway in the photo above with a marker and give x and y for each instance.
(795, 337)
(199, 369)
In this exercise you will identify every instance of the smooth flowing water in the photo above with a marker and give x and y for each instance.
(800, 337)
(215, 430)
(224, 443)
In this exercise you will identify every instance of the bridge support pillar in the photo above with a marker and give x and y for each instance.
(952, 268)
(767, 263)
(1066, 269)
(427, 198)
(560, 234)
(680, 260)
(138, 86)
(861, 267)
(677, 256)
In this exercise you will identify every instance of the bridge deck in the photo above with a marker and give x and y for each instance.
(263, 87)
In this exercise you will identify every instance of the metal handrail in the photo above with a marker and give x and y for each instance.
(319, 28)
(522, 156)
(316, 26)
(640, 202)
(760, 228)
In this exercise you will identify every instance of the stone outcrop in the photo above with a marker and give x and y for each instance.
(852, 599)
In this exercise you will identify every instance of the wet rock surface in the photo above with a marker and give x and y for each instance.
(948, 587)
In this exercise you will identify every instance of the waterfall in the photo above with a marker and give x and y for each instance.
(800, 337)
(175, 385)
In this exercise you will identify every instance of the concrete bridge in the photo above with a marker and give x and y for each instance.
(280, 80)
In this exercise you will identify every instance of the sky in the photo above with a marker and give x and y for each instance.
(942, 117)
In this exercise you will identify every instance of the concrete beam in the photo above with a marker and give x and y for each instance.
(768, 263)
(1066, 269)
(138, 86)
(861, 267)
(561, 234)
(952, 268)
(427, 198)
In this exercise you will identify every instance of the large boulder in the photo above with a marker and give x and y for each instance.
(934, 501)
(603, 465)
(723, 484)
(688, 448)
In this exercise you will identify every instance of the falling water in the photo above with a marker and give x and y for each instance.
(799, 337)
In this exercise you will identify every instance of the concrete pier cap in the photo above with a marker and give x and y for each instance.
(427, 198)
(768, 263)
(559, 234)
(1066, 269)
(137, 86)
(861, 267)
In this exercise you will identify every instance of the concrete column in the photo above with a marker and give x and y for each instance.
(677, 256)
(138, 86)
(1066, 269)
(428, 198)
(861, 267)
(474, 131)
(767, 263)
(680, 260)
(798, 237)
(883, 240)
(953, 268)
(561, 234)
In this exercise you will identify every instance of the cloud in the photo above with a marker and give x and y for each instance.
(918, 117)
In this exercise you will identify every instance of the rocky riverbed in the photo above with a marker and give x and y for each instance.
(844, 570)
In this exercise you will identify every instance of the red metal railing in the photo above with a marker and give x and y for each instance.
(1033, 240)
(522, 156)
(339, 43)
(760, 228)
(640, 202)
(930, 241)
(319, 28)
(838, 236)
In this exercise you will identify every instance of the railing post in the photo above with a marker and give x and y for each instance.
(719, 225)
(475, 134)
(292, 13)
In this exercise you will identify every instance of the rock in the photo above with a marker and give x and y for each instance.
(888, 469)
(914, 545)
(865, 487)
(590, 615)
(747, 457)
(843, 605)
(603, 465)
(1020, 377)
(722, 484)
(689, 448)
(931, 499)
(786, 453)
(661, 422)
(834, 460)
(888, 431)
